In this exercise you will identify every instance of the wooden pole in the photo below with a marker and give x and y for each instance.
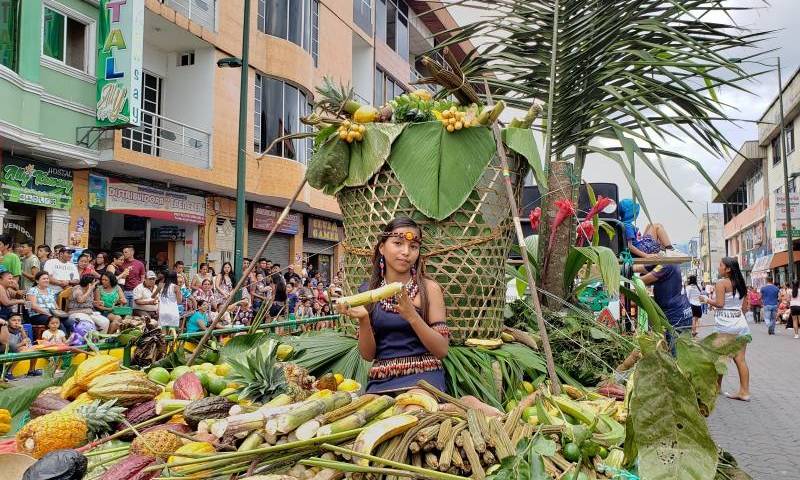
(246, 273)
(512, 201)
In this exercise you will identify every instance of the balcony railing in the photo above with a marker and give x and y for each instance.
(203, 12)
(415, 75)
(161, 137)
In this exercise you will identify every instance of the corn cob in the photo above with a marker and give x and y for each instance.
(475, 431)
(431, 461)
(445, 429)
(503, 446)
(371, 296)
(474, 460)
(427, 433)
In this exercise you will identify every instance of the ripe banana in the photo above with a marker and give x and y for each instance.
(425, 401)
(379, 432)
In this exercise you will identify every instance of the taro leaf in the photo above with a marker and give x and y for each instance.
(598, 334)
(323, 135)
(723, 344)
(544, 446)
(699, 366)
(603, 257)
(440, 169)
(671, 436)
(522, 141)
(329, 166)
(369, 155)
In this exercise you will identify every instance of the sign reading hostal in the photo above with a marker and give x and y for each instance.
(150, 202)
(34, 183)
(265, 218)
(323, 230)
(120, 42)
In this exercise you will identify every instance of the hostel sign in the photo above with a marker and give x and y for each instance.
(119, 62)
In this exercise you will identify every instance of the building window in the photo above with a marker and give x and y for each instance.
(789, 138)
(277, 110)
(287, 19)
(64, 39)
(9, 33)
(186, 59)
(776, 150)
(315, 31)
(391, 25)
(386, 87)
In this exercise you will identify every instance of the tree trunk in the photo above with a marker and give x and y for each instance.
(554, 256)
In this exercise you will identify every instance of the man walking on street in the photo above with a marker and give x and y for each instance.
(769, 300)
(135, 274)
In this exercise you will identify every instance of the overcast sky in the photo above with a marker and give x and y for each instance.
(781, 15)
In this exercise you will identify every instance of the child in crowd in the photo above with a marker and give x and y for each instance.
(654, 234)
(14, 340)
(54, 336)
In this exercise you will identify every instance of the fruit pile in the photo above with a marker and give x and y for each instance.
(351, 131)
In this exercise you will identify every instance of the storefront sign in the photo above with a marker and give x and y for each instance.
(34, 183)
(120, 42)
(780, 215)
(151, 202)
(265, 218)
(323, 230)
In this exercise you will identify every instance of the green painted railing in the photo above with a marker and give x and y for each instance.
(110, 345)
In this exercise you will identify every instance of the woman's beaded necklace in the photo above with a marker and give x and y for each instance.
(390, 304)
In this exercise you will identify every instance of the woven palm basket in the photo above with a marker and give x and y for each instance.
(465, 253)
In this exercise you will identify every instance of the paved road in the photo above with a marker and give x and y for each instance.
(764, 434)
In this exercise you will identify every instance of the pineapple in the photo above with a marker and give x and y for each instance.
(263, 378)
(159, 443)
(337, 98)
(68, 429)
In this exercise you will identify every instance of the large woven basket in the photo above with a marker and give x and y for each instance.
(465, 253)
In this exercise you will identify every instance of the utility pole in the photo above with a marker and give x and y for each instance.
(241, 163)
(782, 136)
(708, 240)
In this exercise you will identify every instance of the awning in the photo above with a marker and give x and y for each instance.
(780, 259)
(762, 263)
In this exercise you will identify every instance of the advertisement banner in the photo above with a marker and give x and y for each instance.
(34, 183)
(780, 215)
(152, 202)
(265, 218)
(120, 43)
(98, 191)
(323, 230)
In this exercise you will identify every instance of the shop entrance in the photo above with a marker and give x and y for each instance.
(20, 222)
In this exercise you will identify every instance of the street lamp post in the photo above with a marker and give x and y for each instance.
(782, 135)
(708, 240)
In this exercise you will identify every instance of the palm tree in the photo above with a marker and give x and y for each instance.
(636, 74)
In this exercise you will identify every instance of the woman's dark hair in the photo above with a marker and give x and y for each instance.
(112, 279)
(39, 275)
(86, 280)
(735, 276)
(200, 302)
(420, 277)
(179, 262)
(222, 270)
(170, 279)
(204, 264)
(693, 280)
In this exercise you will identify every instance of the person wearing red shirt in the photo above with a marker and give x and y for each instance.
(133, 273)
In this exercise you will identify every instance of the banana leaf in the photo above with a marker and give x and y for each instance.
(369, 155)
(439, 169)
(522, 141)
(670, 434)
(603, 257)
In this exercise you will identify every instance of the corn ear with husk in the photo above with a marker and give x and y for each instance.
(371, 296)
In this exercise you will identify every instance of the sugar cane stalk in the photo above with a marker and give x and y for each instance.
(288, 421)
(402, 466)
(358, 418)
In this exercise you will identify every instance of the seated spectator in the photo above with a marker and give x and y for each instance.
(100, 263)
(53, 335)
(63, 273)
(85, 266)
(8, 301)
(42, 298)
(207, 294)
(202, 274)
(108, 297)
(304, 310)
(238, 313)
(14, 340)
(199, 319)
(145, 300)
(320, 295)
(81, 305)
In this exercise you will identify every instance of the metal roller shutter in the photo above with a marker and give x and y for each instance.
(277, 251)
(311, 245)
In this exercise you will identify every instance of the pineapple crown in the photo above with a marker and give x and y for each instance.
(260, 373)
(100, 416)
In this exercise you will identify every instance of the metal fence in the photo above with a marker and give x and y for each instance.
(162, 137)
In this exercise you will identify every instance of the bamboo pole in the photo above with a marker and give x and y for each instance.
(555, 384)
(246, 273)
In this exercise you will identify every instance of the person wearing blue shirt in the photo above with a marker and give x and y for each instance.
(769, 298)
(199, 319)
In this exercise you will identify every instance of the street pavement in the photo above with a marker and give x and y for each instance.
(763, 435)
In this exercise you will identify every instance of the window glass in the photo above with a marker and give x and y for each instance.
(273, 110)
(379, 99)
(380, 19)
(296, 21)
(315, 32)
(9, 33)
(53, 37)
(401, 30)
(290, 120)
(258, 115)
(790, 138)
(276, 18)
(391, 24)
(76, 44)
(261, 19)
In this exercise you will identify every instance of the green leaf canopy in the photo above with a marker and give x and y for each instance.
(439, 169)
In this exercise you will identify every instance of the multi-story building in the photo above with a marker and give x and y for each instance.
(167, 185)
(743, 191)
(710, 229)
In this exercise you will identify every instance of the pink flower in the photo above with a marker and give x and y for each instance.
(535, 217)
(601, 203)
(585, 231)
